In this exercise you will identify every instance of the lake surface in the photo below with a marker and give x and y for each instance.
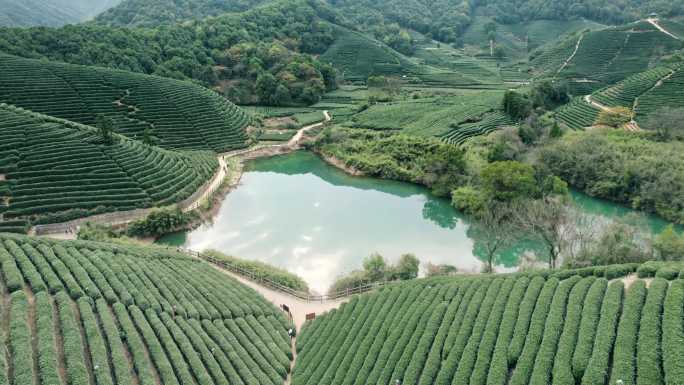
(297, 212)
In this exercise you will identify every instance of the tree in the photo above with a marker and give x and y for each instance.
(105, 128)
(148, 135)
(507, 181)
(375, 267)
(668, 122)
(266, 87)
(556, 131)
(407, 268)
(517, 105)
(669, 244)
(550, 221)
(493, 233)
(432, 270)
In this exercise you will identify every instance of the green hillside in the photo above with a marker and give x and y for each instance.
(572, 327)
(429, 116)
(643, 93)
(149, 13)
(50, 13)
(88, 313)
(55, 170)
(592, 60)
(181, 115)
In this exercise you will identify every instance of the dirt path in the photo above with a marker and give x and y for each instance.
(294, 142)
(579, 41)
(589, 100)
(299, 308)
(215, 183)
(654, 22)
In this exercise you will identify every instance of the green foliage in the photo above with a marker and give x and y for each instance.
(517, 105)
(587, 327)
(673, 334)
(19, 339)
(277, 275)
(614, 117)
(52, 14)
(595, 162)
(649, 348)
(407, 267)
(669, 244)
(425, 161)
(624, 353)
(233, 47)
(159, 222)
(596, 371)
(375, 267)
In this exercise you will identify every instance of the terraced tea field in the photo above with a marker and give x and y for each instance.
(92, 313)
(56, 170)
(180, 114)
(571, 327)
(605, 56)
(429, 116)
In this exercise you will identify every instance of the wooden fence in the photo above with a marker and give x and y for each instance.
(263, 281)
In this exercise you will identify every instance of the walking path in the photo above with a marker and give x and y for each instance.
(298, 308)
(61, 230)
(654, 22)
(579, 41)
(294, 142)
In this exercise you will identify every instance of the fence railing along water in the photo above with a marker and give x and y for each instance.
(268, 283)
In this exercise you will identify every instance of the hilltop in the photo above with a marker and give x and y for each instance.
(180, 115)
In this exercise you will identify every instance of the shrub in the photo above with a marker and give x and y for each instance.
(522, 323)
(45, 327)
(648, 344)
(498, 368)
(587, 327)
(71, 338)
(597, 367)
(553, 327)
(122, 372)
(525, 363)
(562, 366)
(673, 334)
(96, 343)
(624, 354)
(19, 339)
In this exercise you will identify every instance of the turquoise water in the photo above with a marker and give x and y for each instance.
(297, 212)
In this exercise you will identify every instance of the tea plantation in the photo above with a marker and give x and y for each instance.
(89, 313)
(584, 326)
(56, 170)
(181, 115)
(605, 56)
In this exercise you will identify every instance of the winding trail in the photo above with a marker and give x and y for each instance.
(61, 230)
(654, 22)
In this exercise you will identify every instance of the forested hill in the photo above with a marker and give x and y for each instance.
(147, 13)
(445, 20)
(252, 57)
(52, 13)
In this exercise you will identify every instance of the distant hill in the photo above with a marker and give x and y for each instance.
(51, 13)
(149, 13)
(56, 170)
(181, 115)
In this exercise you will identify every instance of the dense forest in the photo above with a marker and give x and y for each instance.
(148, 13)
(261, 56)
